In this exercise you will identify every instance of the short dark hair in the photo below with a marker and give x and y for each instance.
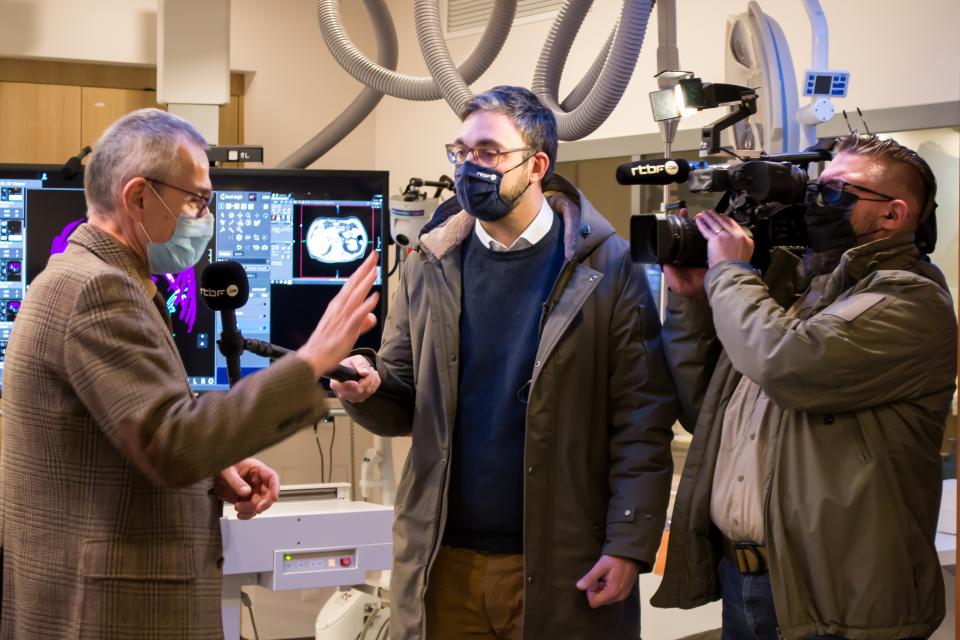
(895, 154)
(535, 122)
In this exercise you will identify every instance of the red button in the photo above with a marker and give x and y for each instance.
(346, 561)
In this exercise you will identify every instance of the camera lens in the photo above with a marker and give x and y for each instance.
(667, 239)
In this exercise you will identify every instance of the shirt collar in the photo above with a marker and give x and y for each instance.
(534, 233)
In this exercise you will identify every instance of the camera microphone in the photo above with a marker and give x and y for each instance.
(224, 287)
(659, 171)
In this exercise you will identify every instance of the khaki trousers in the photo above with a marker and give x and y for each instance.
(475, 595)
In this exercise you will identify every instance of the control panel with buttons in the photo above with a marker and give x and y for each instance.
(295, 562)
(832, 84)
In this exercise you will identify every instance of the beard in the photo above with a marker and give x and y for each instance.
(513, 196)
(818, 263)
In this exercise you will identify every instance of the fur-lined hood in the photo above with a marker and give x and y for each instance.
(584, 228)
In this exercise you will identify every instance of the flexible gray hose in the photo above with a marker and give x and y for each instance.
(401, 85)
(453, 87)
(585, 109)
(355, 113)
(586, 83)
(613, 79)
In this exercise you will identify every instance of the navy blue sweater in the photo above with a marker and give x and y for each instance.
(503, 296)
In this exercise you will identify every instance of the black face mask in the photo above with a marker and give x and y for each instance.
(478, 191)
(828, 218)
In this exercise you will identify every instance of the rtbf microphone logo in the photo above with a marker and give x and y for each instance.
(669, 167)
(231, 292)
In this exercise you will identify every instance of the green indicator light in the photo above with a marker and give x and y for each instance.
(287, 556)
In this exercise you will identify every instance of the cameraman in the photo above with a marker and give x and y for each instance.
(818, 394)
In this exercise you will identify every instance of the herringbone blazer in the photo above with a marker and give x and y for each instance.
(108, 526)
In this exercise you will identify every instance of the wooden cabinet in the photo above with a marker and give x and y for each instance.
(100, 107)
(49, 110)
(39, 122)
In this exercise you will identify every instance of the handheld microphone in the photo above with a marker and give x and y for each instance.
(272, 351)
(224, 287)
(659, 171)
(72, 166)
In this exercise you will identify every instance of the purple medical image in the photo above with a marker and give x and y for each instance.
(60, 242)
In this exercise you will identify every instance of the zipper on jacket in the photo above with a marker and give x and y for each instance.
(566, 273)
(441, 500)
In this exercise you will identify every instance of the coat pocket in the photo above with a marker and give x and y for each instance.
(124, 561)
(137, 590)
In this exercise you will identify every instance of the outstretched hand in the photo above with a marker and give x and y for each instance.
(348, 315)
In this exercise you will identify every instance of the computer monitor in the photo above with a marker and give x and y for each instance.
(298, 234)
(38, 210)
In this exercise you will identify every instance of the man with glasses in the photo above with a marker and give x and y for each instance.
(522, 352)
(112, 471)
(817, 394)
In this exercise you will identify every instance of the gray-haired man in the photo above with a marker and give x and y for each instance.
(111, 467)
(522, 351)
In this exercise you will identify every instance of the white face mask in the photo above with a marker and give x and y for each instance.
(185, 247)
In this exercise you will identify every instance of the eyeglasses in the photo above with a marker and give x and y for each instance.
(833, 192)
(482, 154)
(200, 201)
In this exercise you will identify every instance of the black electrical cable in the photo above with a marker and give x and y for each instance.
(733, 153)
(384, 626)
(333, 436)
(316, 435)
(396, 261)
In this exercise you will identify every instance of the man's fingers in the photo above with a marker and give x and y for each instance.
(274, 487)
(728, 223)
(237, 484)
(360, 317)
(363, 289)
(367, 276)
(356, 282)
(356, 361)
(705, 227)
(245, 509)
(593, 576)
(601, 598)
(347, 387)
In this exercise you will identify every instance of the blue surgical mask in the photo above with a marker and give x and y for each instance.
(185, 247)
(478, 191)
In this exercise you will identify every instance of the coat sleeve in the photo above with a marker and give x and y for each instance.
(389, 412)
(123, 372)
(871, 348)
(692, 350)
(642, 410)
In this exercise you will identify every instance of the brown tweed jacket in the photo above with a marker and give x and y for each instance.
(108, 527)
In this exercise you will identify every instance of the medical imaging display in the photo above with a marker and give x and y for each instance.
(332, 238)
(299, 235)
(264, 221)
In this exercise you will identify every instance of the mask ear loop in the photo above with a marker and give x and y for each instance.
(170, 213)
(513, 203)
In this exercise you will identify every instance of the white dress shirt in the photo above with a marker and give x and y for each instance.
(535, 231)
